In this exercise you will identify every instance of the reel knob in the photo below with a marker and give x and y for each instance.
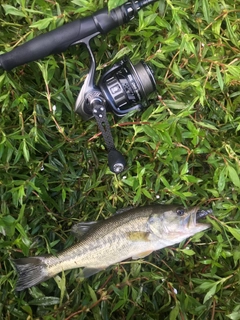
(116, 161)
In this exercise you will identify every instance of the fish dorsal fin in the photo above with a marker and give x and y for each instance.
(88, 272)
(81, 228)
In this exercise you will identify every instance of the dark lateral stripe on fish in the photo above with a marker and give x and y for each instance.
(30, 271)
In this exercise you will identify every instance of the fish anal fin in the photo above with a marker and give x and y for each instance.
(88, 272)
(142, 255)
(138, 236)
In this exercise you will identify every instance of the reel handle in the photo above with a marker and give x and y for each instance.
(116, 161)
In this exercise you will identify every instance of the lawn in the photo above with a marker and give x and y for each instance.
(184, 149)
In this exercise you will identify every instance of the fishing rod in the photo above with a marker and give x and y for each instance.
(121, 89)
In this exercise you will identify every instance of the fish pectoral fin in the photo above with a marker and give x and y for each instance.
(81, 228)
(141, 255)
(88, 272)
(138, 236)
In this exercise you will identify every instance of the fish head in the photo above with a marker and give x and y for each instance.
(176, 223)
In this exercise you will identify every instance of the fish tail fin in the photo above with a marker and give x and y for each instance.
(30, 271)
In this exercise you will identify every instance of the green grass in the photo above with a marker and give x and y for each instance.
(183, 149)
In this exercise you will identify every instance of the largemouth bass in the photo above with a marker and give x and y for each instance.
(134, 234)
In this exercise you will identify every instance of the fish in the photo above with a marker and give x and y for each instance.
(131, 234)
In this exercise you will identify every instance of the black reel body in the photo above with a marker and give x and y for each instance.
(126, 86)
(123, 88)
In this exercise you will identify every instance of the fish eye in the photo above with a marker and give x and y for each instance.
(180, 212)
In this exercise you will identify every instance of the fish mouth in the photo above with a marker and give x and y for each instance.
(201, 213)
(195, 215)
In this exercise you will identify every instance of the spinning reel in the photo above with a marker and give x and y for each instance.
(123, 88)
